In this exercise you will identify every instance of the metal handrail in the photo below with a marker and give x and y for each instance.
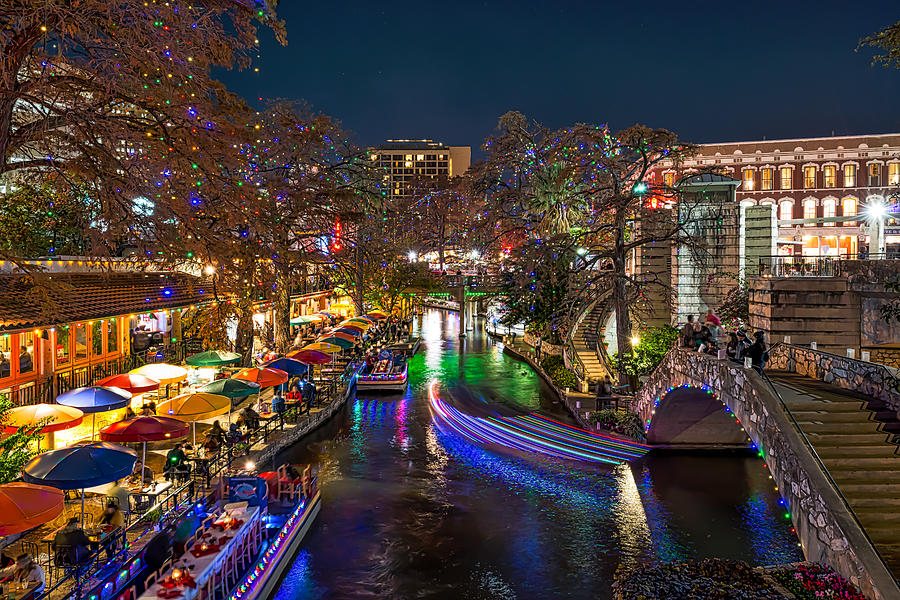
(824, 469)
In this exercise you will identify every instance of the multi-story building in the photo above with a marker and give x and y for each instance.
(404, 161)
(812, 183)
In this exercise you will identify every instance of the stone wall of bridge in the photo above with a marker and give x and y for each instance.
(826, 527)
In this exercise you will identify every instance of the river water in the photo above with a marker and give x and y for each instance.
(413, 510)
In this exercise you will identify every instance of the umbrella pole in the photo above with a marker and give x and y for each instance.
(82, 508)
(144, 463)
(194, 427)
(93, 424)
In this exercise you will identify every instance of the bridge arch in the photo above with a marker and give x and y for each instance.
(827, 529)
(692, 415)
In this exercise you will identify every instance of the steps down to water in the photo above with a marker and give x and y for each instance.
(584, 342)
(854, 436)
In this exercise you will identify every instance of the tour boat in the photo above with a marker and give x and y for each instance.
(388, 375)
(285, 530)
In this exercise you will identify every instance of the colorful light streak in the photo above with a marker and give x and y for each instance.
(537, 434)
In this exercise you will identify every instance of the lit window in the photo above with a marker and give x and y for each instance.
(97, 339)
(112, 336)
(5, 356)
(62, 345)
(768, 179)
(849, 175)
(830, 176)
(669, 179)
(26, 352)
(829, 206)
(848, 208)
(785, 180)
(809, 209)
(894, 174)
(809, 177)
(874, 174)
(749, 179)
(786, 210)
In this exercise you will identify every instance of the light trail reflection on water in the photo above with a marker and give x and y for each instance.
(411, 510)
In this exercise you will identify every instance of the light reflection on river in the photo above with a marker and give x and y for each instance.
(411, 510)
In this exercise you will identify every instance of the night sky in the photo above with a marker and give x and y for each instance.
(710, 71)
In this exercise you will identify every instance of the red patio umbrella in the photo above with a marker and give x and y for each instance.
(310, 357)
(265, 377)
(132, 382)
(144, 429)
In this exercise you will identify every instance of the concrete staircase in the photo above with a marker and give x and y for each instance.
(855, 438)
(584, 342)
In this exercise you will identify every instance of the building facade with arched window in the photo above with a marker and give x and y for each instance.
(813, 182)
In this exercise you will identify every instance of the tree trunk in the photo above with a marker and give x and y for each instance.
(282, 311)
(358, 289)
(244, 337)
(620, 295)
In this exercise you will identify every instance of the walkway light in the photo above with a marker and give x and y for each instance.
(635, 341)
(209, 270)
(876, 210)
(581, 251)
(412, 256)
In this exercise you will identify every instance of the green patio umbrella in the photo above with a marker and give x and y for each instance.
(305, 319)
(231, 388)
(213, 358)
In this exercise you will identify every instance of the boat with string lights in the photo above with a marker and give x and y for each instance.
(388, 373)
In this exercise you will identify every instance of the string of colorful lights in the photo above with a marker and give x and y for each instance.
(537, 434)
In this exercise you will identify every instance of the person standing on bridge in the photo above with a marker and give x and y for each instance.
(687, 333)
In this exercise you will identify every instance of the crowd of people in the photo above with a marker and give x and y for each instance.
(710, 337)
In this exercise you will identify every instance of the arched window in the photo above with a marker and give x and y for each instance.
(809, 209)
(849, 208)
(829, 208)
(786, 210)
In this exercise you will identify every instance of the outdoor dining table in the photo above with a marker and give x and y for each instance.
(13, 591)
(201, 568)
(97, 535)
(153, 490)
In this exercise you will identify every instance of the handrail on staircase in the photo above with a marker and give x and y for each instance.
(824, 469)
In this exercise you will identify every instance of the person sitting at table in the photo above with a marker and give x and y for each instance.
(71, 544)
(294, 394)
(149, 409)
(234, 434)
(139, 470)
(216, 432)
(129, 413)
(25, 571)
(249, 418)
(112, 518)
(122, 496)
(175, 462)
(211, 445)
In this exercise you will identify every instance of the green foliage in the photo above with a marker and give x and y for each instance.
(655, 344)
(562, 377)
(887, 41)
(735, 308)
(41, 221)
(15, 449)
(536, 291)
(622, 422)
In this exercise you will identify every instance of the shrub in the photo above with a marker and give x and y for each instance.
(711, 579)
(625, 423)
(556, 369)
(654, 345)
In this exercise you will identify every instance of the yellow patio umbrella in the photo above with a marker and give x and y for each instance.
(162, 372)
(195, 406)
(323, 347)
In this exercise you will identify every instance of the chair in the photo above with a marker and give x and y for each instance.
(285, 483)
(148, 583)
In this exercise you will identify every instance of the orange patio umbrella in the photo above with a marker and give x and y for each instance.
(26, 505)
(60, 417)
(265, 377)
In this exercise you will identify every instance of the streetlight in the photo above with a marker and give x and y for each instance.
(209, 270)
(635, 341)
(640, 188)
(412, 256)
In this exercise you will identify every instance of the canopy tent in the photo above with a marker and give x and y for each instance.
(60, 417)
(81, 466)
(144, 429)
(334, 340)
(24, 506)
(213, 358)
(130, 382)
(310, 357)
(230, 388)
(265, 377)
(306, 319)
(162, 372)
(288, 365)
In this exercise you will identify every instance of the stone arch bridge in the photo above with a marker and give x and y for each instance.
(822, 423)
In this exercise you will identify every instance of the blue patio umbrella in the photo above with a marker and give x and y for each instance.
(81, 466)
(94, 399)
(288, 365)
